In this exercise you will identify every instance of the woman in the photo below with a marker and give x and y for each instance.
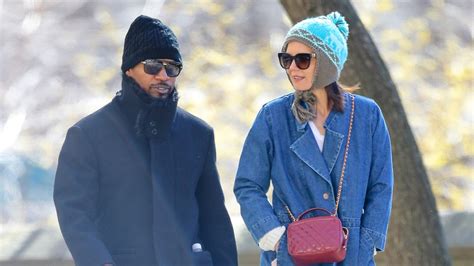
(298, 143)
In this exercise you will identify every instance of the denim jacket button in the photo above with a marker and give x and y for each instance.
(325, 195)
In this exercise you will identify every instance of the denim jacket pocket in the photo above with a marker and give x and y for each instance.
(366, 249)
(284, 218)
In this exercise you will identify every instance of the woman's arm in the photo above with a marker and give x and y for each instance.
(378, 202)
(253, 178)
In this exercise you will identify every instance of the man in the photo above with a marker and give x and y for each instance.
(136, 182)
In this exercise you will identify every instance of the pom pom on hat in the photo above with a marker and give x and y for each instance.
(340, 23)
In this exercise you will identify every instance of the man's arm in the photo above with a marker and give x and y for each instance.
(215, 226)
(76, 190)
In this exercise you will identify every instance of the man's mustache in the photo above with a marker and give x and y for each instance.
(161, 85)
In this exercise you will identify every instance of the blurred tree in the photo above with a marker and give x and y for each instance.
(429, 53)
(415, 234)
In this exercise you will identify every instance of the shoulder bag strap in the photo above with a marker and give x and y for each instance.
(341, 179)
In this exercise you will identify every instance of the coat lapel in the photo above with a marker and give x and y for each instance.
(332, 147)
(334, 137)
(305, 147)
(323, 164)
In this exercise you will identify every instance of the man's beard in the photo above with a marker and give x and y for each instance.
(160, 90)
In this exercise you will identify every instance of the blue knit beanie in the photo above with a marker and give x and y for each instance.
(327, 35)
(149, 38)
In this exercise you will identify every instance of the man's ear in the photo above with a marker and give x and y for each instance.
(127, 72)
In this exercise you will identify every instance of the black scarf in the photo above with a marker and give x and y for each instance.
(150, 117)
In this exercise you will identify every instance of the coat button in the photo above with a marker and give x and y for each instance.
(152, 123)
(154, 131)
(325, 195)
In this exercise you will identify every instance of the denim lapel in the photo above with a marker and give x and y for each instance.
(305, 147)
(323, 164)
(332, 147)
(333, 139)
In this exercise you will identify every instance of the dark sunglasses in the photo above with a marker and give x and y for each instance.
(154, 66)
(302, 60)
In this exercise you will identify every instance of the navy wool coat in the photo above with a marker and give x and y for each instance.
(131, 199)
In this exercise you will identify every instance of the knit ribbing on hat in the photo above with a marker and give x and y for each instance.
(149, 38)
(313, 41)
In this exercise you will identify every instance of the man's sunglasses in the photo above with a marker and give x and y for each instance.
(153, 67)
(302, 60)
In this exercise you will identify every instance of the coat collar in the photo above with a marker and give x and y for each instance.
(305, 146)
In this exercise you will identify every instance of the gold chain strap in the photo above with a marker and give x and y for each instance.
(290, 213)
(341, 179)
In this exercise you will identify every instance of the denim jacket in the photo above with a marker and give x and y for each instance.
(280, 149)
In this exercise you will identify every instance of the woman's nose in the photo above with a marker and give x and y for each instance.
(293, 65)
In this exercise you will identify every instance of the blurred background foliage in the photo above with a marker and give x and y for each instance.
(428, 48)
(60, 60)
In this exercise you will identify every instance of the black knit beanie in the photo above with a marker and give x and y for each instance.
(149, 38)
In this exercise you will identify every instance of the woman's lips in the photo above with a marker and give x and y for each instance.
(297, 78)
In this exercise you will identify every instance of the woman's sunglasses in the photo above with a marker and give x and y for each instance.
(154, 66)
(302, 60)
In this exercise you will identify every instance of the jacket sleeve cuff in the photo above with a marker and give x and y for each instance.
(263, 226)
(377, 238)
(270, 239)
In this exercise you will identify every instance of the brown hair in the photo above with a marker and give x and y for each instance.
(335, 92)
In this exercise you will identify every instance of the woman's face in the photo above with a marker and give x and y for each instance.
(302, 79)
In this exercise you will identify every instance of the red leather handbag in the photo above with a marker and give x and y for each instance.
(320, 239)
(317, 239)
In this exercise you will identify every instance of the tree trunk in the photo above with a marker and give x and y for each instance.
(415, 234)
